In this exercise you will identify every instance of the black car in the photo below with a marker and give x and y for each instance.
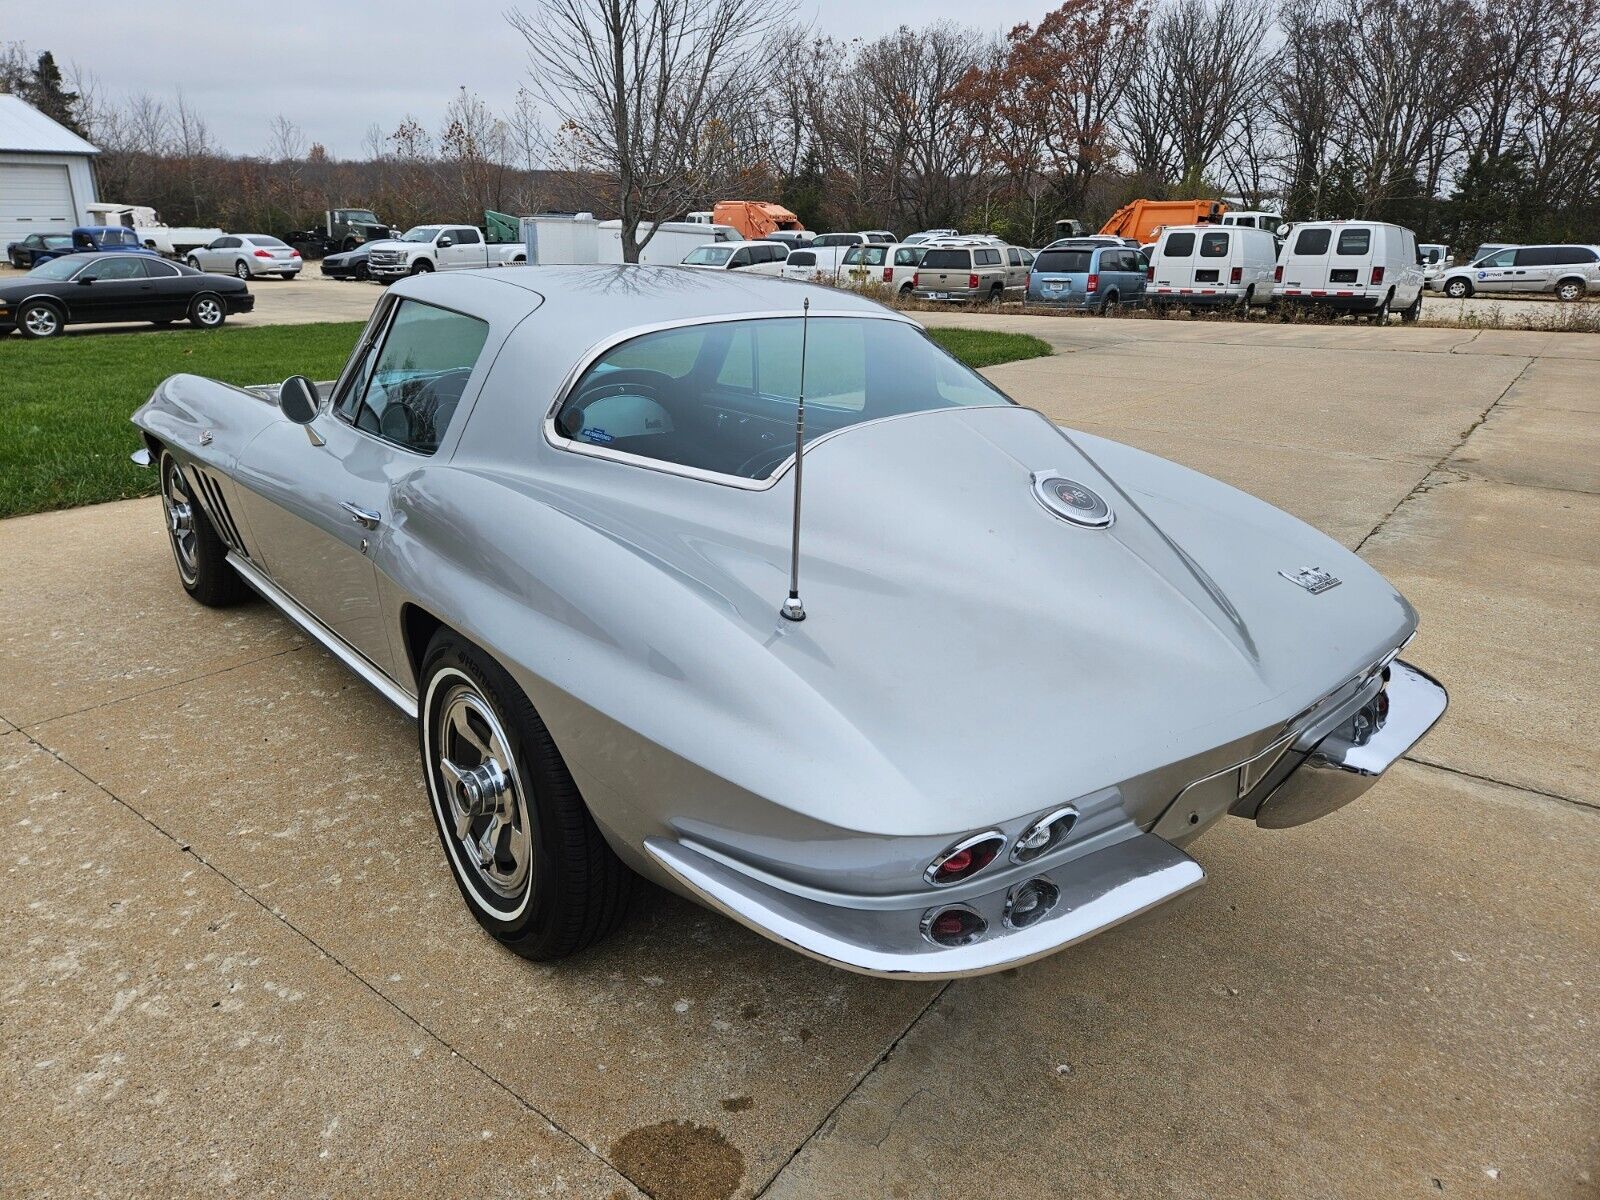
(117, 287)
(352, 264)
(24, 255)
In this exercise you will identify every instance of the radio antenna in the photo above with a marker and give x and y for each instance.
(792, 609)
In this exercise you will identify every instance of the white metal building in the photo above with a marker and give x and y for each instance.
(45, 176)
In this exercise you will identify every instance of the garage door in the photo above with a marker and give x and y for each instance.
(34, 198)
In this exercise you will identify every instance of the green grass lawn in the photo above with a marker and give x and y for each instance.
(64, 404)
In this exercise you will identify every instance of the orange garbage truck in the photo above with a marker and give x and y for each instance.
(1143, 219)
(754, 218)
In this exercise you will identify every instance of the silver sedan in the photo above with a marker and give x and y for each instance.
(247, 255)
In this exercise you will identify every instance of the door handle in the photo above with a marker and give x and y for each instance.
(365, 517)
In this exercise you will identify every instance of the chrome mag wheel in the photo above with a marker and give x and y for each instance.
(42, 321)
(180, 514)
(208, 311)
(486, 809)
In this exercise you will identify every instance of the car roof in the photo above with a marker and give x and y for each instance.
(597, 301)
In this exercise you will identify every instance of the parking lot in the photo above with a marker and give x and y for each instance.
(235, 963)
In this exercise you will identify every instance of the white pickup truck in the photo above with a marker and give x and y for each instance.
(439, 248)
(173, 241)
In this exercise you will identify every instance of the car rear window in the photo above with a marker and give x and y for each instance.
(1063, 262)
(1355, 241)
(802, 258)
(945, 260)
(658, 396)
(1213, 245)
(873, 255)
(1179, 245)
(264, 240)
(1313, 241)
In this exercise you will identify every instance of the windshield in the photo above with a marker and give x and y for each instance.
(709, 256)
(422, 233)
(57, 241)
(721, 396)
(361, 216)
(57, 268)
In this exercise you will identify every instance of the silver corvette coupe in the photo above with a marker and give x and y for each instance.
(946, 692)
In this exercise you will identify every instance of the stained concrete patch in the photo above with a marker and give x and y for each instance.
(1507, 583)
(161, 1035)
(296, 779)
(1358, 1008)
(94, 612)
(679, 1160)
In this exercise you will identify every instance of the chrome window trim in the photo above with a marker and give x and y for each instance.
(556, 441)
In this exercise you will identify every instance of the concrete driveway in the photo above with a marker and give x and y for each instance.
(233, 961)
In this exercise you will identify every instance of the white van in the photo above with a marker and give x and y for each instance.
(1354, 266)
(1254, 218)
(1207, 265)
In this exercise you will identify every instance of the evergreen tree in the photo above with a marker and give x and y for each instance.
(47, 92)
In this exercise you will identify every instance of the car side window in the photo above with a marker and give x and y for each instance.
(467, 237)
(1213, 245)
(1014, 256)
(1502, 259)
(407, 387)
(156, 269)
(117, 268)
(1179, 245)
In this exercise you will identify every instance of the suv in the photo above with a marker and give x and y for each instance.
(1571, 272)
(962, 272)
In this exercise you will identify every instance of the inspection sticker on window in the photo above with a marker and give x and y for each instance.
(592, 434)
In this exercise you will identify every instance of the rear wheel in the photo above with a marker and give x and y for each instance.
(1409, 316)
(1110, 306)
(1380, 315)
(241, 269)
(1247, 301)
(1458, 289)
(526, 855)
(201, 557)
(997, 293)
(39, 319)
(1570, 290)
(206, 311)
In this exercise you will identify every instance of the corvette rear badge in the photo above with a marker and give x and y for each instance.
(1314, 579)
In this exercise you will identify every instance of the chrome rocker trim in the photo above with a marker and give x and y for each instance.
(1096, 892)
(1333, 768)
(330, 641)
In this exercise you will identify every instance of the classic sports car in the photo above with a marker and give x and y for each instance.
(972, 716)
(79, 288)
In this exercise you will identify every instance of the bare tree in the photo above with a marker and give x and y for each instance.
(647, 88)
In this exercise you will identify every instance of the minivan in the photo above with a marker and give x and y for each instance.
(1571, 272)
(1213, 266)
(1087, 275)
(958, 273)
(1351, 266)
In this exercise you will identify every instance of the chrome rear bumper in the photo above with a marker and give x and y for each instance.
(1330, 768)
(1095, 892)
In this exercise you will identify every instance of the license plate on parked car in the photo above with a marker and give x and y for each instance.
(938, 295)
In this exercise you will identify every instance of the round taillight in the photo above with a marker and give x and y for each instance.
(1045, 834)
(1030, 902)
(956, 925)
(966, 858)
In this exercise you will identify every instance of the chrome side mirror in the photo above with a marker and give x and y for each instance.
(297, 398)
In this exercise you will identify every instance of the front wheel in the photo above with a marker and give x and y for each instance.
(525, 853)
(421, 267)
(201, 557)
(38, 319)
(206, 311)
(1570, 290)
(1458, 289)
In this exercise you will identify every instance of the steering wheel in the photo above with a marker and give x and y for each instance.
(634, 380)
(760, 464)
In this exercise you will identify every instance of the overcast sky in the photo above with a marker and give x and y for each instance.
(336, 68)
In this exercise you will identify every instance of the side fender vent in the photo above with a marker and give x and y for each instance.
(217, 508)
